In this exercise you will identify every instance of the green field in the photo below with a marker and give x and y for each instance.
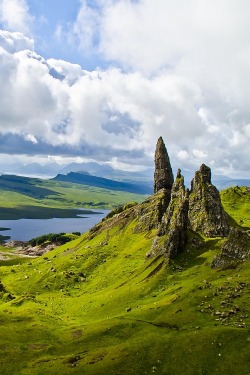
(98, 306)
(34, 198)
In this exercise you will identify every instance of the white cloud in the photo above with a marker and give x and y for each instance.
(30, 138)
(70, 72)
(15, 42)
(121, 114)
(86, 26)
(182, 155)
(246, 130)
(15, 16)
(199, 154)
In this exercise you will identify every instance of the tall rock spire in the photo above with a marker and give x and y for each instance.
(163, 176)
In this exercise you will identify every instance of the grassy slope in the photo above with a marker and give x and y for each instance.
(236, 201)
(59, 323)
(61, 200)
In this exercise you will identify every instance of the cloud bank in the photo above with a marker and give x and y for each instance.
(176, 71)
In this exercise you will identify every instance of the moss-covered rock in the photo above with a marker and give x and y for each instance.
(172, 235)
(206, 213)
(234, 250)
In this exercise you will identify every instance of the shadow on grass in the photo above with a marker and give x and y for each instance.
(26, 186)
(195, 247)
(234, 224)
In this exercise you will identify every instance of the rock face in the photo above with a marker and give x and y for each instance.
(174, 216)
(235, 249)
(206, 213)
(163, 176)
(172, 234)
(175, 221)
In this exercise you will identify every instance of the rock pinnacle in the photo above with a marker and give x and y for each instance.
(163, 176)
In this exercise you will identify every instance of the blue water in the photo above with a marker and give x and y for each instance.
(26, 229)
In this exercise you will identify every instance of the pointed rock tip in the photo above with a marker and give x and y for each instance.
(163, 176)
(206, 172)
(179, 173)
(160, 143)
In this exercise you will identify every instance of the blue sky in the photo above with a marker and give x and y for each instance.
(103, 79)
(52, 15)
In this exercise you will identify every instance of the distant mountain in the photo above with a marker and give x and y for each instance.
(91, 167)
(38, 169)
(32, 169)
(104, 183)
(224, 184)
(144, 177)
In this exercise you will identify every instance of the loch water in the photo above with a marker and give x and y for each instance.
(26, 229)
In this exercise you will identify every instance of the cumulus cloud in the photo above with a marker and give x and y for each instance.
(15, 16)
(182, 73)
(15, 41)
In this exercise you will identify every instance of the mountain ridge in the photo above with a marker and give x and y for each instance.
(87, 179)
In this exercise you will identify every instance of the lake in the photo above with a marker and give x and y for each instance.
(26, 229)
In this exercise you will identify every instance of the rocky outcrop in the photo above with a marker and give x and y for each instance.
(147, 215)
(175, 222)
(206, 213)
(234, 250)
(163, 176)
(172, 235)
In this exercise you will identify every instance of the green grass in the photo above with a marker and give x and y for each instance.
(96, 305)
(47, 199)
(236, 201)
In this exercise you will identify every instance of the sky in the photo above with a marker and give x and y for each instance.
(103, 79)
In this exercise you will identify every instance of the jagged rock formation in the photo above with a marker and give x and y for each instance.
(206, 213)
(172, 234)
(235, 249)
(181, 217)
(163, 176)
(148, 215)
(200, 210)
(175, 221)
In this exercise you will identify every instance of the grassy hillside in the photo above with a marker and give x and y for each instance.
(98, 306)
(23, 197)
(236, 201)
